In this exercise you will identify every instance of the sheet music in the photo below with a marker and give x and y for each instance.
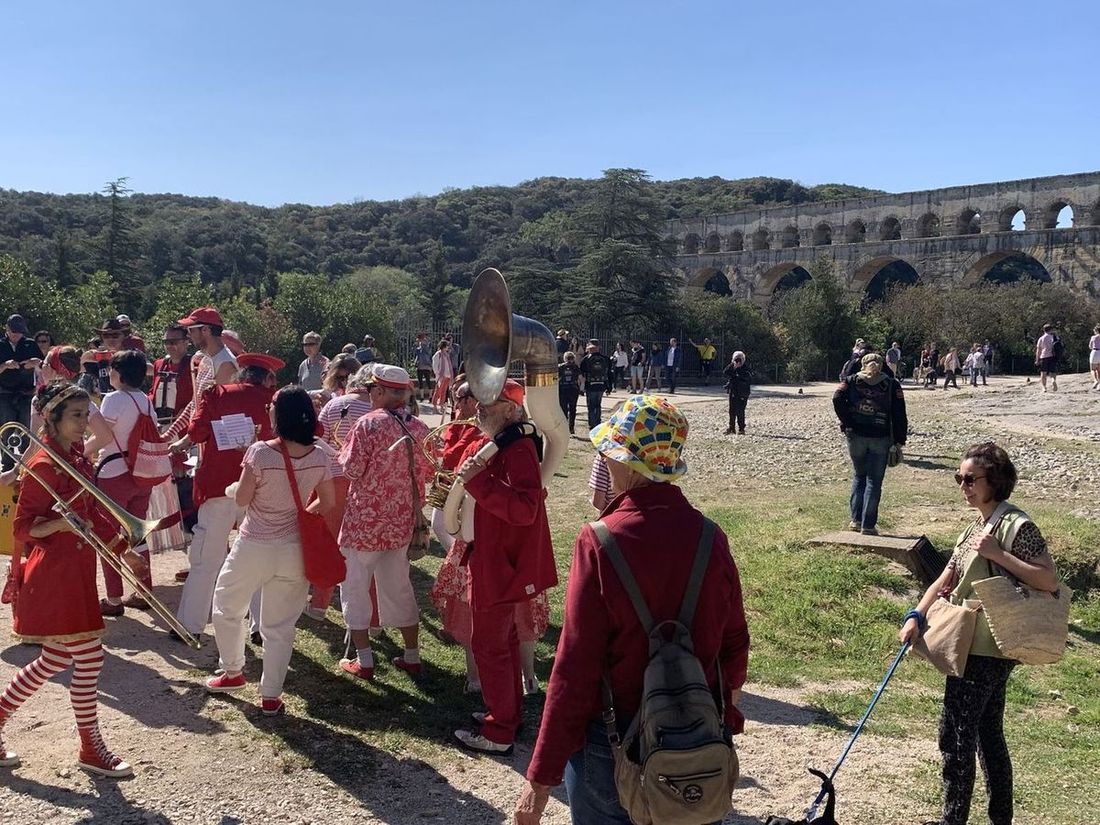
(233, 432)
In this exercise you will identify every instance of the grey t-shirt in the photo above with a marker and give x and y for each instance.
(311, 371)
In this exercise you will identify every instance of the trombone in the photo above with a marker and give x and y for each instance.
(134, 528)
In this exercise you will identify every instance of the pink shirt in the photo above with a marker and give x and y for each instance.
(338, 416)
(272, 512)
(1045, 346)
(379, 514)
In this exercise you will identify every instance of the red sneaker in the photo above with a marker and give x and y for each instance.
(272, 707)
(102, 762)
(222, 682)
(353, 667)
(416, 671)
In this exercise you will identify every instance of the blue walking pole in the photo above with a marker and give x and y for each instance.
(812, 811)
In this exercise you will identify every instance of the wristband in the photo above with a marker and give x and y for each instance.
(922, 623)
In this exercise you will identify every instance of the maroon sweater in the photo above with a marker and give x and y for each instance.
(658, 532)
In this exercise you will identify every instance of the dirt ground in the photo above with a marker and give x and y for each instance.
(198, 762)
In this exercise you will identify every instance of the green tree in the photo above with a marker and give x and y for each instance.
(437, 286)
(118, 247)
(817, 323)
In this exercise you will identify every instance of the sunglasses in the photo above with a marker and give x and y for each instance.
(967, 479)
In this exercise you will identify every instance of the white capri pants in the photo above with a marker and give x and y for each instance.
(210, 543)
(389, 569)
(274, 568)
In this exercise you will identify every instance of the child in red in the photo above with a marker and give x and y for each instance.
(57, 603)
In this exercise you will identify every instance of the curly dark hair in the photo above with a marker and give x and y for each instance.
(49, 392)
(1000, 472)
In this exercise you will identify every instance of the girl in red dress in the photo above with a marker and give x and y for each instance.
(57, 603)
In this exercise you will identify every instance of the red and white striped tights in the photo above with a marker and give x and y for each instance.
(86, 658)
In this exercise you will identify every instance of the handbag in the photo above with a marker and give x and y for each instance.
(321, 557)
(949, 633)
(1028, 625)
(421, 535)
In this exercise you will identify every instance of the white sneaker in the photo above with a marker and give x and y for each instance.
(531, 688)
(476, 742)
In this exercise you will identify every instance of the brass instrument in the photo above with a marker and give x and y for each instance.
(443, 479)
(134, 528)
(494, 337)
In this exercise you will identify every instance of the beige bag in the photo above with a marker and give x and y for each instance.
(950, 631)
(1028, 625)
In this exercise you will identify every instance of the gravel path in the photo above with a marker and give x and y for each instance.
(209, 761)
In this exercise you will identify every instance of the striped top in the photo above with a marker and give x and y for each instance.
(338, 416)
(272, 512)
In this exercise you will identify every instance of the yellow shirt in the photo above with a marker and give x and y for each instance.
(706, 351)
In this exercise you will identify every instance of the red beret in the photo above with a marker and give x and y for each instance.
(260, 359)
(513, 391)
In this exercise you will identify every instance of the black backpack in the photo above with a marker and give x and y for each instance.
(1059, 348)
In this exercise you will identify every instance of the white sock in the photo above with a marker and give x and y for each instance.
(412, 655)
(366, 657)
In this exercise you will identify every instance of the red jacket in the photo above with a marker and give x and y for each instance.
(219, 468)
(164, 370)
(512, 559)
(658, 532)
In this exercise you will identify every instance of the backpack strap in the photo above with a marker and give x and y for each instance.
(698, 571)
(629, 583)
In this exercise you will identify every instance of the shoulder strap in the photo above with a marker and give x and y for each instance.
(630, 584)
(698, 570)
(412, 459)
(279, 447)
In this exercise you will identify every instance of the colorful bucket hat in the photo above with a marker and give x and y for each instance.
(647, 435)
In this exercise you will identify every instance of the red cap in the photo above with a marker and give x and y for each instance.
(200, 316)
(513, 391)
(260, 359)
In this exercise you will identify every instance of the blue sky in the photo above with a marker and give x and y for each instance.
(330, 102)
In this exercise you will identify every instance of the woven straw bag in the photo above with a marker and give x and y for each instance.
(950, 632)
(1028, 625)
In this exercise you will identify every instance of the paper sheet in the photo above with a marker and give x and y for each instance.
(233, 432)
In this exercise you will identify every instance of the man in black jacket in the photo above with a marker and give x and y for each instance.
(595, 373)
(19, 355)
(871, 408)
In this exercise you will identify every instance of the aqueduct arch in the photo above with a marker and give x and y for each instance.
(951, 236)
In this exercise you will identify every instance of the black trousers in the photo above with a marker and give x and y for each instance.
(672, 376)
(737, 413)
(704, 369)
(567, 397)
(973, 722)
(594, 399)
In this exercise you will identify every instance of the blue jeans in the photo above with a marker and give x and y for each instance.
(590, 782)
(869, 465)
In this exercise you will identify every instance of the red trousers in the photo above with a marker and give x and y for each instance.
(495, 645)
(135, 499)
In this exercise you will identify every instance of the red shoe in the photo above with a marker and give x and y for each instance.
(222, 682)
(181, 575)
(272, 707)
(353, 667)
(416, 671)
(106, 608)
(102, 762)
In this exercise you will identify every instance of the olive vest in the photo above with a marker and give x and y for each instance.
(975, 568)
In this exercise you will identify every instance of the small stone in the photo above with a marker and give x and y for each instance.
(64, 773)
(1073, 710)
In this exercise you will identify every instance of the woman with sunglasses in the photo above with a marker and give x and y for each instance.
(1002, 540)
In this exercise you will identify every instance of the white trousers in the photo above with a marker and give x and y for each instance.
(217, 518)
(389, 570)
(274, 568)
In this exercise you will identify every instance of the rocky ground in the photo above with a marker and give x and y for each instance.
(202, 760)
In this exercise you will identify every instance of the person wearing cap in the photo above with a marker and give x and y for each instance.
(218, 467)
(561, 341)
(19, 357)
(870, 406)
(267, 553)
(658, 532)
(129, 339)
(511, 561)
(214, 363)
(595, 374)
(311, 371)
(367, 354)
(379, 519)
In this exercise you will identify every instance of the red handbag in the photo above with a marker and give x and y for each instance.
(321, 557)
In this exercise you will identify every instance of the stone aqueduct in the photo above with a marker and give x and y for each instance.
(951, 236)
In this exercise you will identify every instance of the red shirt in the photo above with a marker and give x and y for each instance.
(164, 371)
(457, 443)
(512, 559)
(658, 532)
(132, 341)
(219, 468)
